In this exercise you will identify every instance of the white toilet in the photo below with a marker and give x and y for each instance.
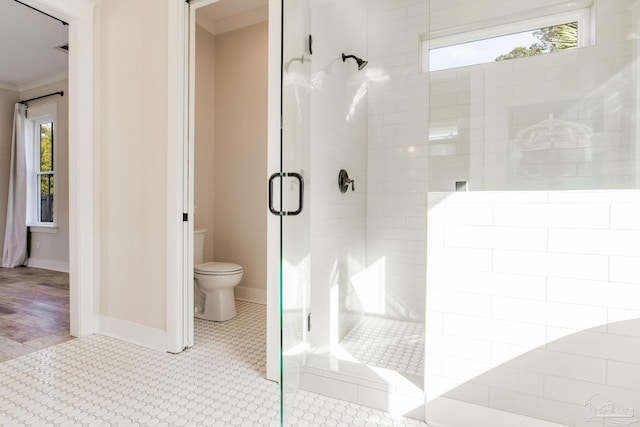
(213, 284)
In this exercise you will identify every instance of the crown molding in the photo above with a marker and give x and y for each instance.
(206, 22)
(8, 86)
(24, 86)
(234, 22)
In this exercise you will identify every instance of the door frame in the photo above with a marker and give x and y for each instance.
(179, 256)
(181, 177)
(84, 235)
(273, 165)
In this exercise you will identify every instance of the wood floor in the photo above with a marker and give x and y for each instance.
(34, 310)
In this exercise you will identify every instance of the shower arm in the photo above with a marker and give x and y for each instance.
(361, 62)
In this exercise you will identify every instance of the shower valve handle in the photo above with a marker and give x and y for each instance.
(344, 181)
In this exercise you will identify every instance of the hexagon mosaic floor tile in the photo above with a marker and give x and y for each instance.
(101, 381)
(387, 343)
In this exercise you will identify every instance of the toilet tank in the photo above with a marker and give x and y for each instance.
(198, 246)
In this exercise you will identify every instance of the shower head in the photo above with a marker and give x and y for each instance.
(361, 62)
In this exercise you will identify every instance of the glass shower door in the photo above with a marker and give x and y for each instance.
(294, 211)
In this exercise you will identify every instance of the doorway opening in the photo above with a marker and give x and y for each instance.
(80, 235)
(34, 300)
(228, 144)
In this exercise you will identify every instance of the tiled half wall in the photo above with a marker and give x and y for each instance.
(533, 303)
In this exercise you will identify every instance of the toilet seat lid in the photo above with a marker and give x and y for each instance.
(218, 268)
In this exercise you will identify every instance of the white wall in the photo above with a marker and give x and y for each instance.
(240, 196)
(445, 14)
(8, 98)
(204, 135)
(489, 104)
(132, 157)
(134, 173)
(338, 139)
(533, 301)
(50, 250)
(398, 102)
(368, 246)
(532, 295)
(230, 150)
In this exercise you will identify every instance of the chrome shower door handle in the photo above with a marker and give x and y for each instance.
(281, 175)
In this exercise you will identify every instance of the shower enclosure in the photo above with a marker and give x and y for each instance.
(493, 215)
(354, 260)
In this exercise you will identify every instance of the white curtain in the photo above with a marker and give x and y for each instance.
(15, 237)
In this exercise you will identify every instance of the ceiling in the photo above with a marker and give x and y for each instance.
(229, 15)
(28, 39)
(27, 46)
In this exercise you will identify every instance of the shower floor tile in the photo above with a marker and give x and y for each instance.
(387, 343)
(101, 381)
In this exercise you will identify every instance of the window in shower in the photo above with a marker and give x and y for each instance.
(500, 42)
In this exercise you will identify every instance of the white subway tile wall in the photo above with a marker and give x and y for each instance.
(490, 111)
(338, 140)
(369, 245)
(547, 323)
(397, 154)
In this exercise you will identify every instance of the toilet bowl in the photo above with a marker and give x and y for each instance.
(216, 281)
(213, 284)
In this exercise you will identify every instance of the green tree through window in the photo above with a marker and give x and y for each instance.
(552, 39)
(46, 172)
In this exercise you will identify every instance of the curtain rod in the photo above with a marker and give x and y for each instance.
(44, 13)
(61, 93)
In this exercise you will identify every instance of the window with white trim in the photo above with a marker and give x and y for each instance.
(41, 148)
(488, 42)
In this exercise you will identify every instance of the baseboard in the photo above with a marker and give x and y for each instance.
(46, 264)
(444, 412)
(251, 294)
(134, 333)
